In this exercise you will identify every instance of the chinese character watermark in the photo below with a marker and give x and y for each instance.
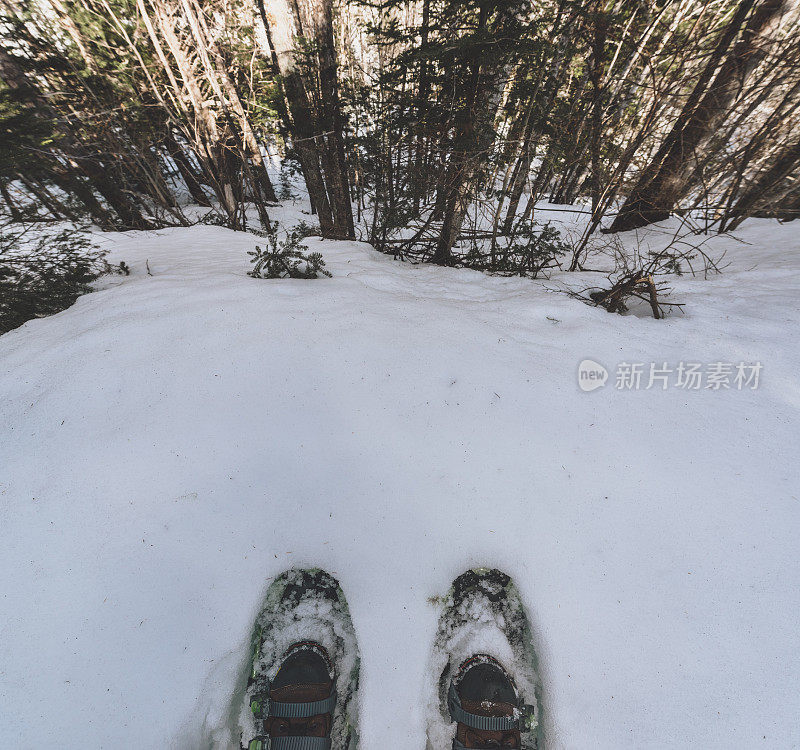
(688, 376)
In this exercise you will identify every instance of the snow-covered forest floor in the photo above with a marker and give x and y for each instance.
(176, 439)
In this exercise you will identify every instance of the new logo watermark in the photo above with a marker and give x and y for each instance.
(688, 376)
(591, 375)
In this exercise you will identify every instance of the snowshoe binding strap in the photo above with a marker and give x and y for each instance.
(290, 743)
(474, 721)
(300, 743)
(458, 746)
(302, 710)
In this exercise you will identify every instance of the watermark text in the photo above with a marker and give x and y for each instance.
(689, 376)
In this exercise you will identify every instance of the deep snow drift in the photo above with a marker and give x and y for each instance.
(172, 442)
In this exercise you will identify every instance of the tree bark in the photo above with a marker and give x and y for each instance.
(76, 155)
(186, 170)
(313, 109)
(74, 185)
(13, 209)
(472, 137)
(225, 90)
(667, 178)
(40, 192)
(769, 187)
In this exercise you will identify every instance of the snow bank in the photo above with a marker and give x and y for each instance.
(173, 441)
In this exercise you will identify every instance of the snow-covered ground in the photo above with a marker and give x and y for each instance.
(172, 442)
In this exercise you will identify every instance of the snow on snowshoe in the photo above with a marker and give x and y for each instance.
(303, 683)
(488, 694)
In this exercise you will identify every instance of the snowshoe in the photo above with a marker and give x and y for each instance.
(303, 682)
(488, 694)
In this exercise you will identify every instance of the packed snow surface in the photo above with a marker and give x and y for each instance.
(175, 440)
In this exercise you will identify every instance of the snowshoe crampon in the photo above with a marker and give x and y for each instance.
(304, 625)
(484, 643)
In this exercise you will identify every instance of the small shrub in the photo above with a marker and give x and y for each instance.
(214, 218)
(287, 258)
(43, 276)
(304, 229)
(530, 249)
(639, 274)
(285, 191)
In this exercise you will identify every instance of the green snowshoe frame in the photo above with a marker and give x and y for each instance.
(261, 706)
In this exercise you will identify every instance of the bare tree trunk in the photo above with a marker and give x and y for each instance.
(77, 158)
(13, 209)
(472, 142)
(421, 141)
(313, 108)
(205, 123)
(600, 28)
(225, 90)
(520, 177)
(769, 187)
(123, 206)
(789, 209)
(39, 192)
(74, 185)
(666, 179)
(186, 170)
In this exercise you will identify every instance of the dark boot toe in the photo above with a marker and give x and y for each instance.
(486, 682)
(302, 667)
